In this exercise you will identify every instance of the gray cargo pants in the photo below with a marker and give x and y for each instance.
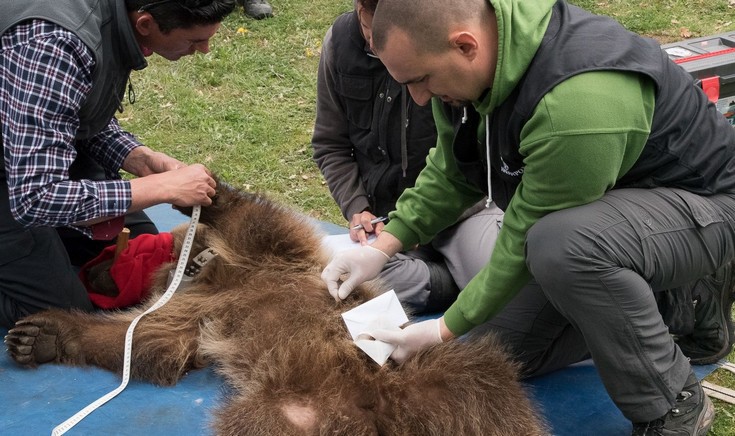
(596, 268)
(465, 248)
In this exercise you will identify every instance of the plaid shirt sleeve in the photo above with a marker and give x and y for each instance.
(45, 75)
(111, 146)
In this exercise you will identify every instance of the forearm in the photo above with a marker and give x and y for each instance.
(343, 179)
(444, 333)
(142, 161)
(333, 151)
(148, 191)
(112, 145)
(388, 244)
(189, 185)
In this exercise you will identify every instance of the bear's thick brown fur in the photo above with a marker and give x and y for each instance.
(261, 314)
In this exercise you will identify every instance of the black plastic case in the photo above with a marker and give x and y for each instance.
(711, 60)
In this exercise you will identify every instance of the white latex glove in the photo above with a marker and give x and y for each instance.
(362, 264)
(411, 339)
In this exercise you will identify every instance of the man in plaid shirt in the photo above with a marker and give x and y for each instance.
(64, 69)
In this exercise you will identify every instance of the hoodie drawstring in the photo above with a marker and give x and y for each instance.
(489, 200)
(404, 128)
(487, 156)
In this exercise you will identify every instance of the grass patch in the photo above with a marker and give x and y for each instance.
(667, 21)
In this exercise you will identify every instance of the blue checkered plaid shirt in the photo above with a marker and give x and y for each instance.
(45, 75)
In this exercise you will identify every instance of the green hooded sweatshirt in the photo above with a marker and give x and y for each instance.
(584, 135)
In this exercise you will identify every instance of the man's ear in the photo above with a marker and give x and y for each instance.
(466, 43)
(144, 23)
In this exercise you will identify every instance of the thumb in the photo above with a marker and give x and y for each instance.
(333, 289)
(394, 337)
(346, 288)
(331, 278)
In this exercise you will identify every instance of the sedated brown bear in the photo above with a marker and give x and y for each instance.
(261, 315)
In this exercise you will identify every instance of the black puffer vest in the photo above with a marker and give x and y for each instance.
(698, 159)
(372, 101)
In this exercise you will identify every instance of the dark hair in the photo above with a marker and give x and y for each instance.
(369, 5)
(174, 14)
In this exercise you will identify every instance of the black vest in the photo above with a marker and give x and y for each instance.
(698, 159)
(372, 101)
(102, 25)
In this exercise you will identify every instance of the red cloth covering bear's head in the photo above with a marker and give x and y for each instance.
(132, 271)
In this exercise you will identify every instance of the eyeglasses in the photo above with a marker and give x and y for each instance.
(186, 4)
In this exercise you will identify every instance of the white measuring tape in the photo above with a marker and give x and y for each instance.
(178, 276)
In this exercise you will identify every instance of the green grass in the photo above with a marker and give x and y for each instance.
(667, 21)
(246, 110)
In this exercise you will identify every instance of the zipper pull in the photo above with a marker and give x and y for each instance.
(131, 91)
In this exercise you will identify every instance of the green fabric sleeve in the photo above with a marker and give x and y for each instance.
(440, 195)
(582, 137)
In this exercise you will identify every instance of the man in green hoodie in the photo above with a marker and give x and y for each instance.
(617, 177)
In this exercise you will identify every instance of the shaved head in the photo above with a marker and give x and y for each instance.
(427, 22)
